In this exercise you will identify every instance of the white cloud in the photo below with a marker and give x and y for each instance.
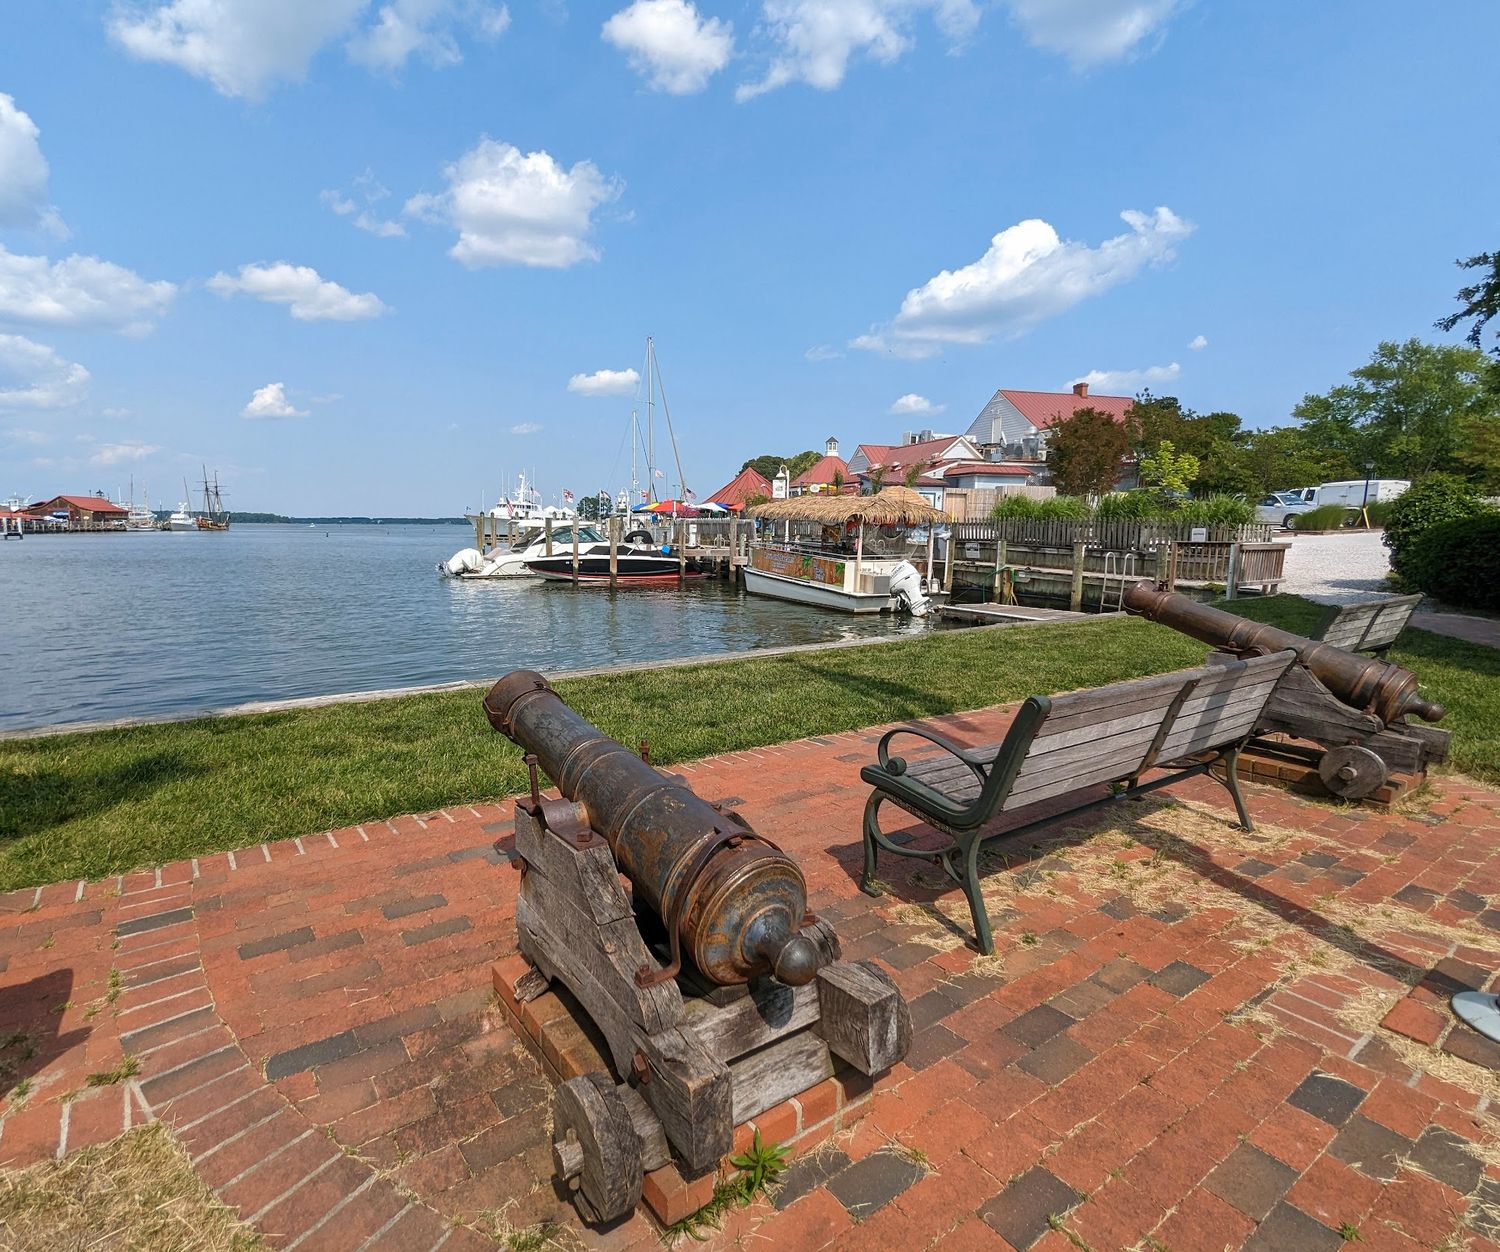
(515, 208)
(119, 453)
(817, 38)
(912, 404)
(271, 401)
(669, 43)
(1027, 275)
(114, 412)
(311, 297)
(525, 428)
(1128, 382)
(1198, 343)
(244, 47)
(425, 28)
(1090, 32)
(822, 352)
(363, 218)
(604, 383)
(23, 173)
(33, 376)
(79, 291)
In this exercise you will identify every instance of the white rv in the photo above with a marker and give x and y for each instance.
(1352, 492)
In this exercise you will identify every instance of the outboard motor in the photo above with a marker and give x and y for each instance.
(906, 587)
(464, 561)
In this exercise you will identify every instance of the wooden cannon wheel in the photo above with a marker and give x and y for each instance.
(1352, 772)
(595, 1147)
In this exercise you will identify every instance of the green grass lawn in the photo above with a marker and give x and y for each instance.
(89, 805)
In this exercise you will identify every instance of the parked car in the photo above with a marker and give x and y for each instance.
(1280, 507)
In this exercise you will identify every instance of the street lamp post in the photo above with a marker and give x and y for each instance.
(1369, 465)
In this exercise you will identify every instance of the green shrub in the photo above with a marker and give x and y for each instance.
(1427, 502)
(1064, 509)
(1325, 517)
(1458, 562)
(1128, 506)
(1014, 506)
(1220, 510)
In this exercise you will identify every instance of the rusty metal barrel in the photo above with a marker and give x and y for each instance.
(1362, 682)
(729, 897)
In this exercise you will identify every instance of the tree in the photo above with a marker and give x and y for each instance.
(769, 466)
(1084, 451)
(1404, 411)
(1481, 301)
(1169, 471)
(874, 479)
(1284, 457)
(1216, 439)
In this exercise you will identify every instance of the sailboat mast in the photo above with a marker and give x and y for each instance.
(650, 417)
(682, 486)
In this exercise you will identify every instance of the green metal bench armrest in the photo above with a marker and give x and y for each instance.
(976, 763)
(929, 799)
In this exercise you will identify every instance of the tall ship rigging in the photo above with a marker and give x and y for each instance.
(214, 515)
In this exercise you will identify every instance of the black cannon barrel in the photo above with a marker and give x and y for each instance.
(740, 901)
(1362, 682)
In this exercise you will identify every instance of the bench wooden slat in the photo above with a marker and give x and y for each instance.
(1369, 624)
(1081, 704)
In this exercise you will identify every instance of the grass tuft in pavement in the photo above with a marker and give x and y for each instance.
(90, 805)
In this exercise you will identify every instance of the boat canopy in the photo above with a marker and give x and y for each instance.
(891, 506)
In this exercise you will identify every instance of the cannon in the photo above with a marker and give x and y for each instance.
(1354, 707)
(717, 992)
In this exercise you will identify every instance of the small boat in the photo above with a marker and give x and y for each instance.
(511, 562)
(634, 564)
(183, 519)
(843, 575)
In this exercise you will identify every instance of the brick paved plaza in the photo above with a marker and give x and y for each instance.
(1190, 1038)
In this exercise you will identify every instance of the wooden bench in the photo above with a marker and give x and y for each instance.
(1185, 723)
(1369, 626)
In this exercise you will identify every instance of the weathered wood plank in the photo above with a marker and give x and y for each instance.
(769, 1012)
(864, 1018)
(693, 1095)
(655, 1151)
(777, 1072)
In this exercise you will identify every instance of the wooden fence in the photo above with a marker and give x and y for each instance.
(1118, 536)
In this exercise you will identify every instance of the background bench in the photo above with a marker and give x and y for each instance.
(1369, 626)
(1183, 722)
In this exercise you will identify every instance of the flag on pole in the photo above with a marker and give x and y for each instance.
(688, 495)
(567, 497)
(658, 474)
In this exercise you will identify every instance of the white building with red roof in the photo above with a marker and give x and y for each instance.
(1013, 424)
(830, 473)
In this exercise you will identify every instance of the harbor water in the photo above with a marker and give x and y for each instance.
(102, 626)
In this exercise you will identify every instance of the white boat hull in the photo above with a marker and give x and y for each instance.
(800, 591)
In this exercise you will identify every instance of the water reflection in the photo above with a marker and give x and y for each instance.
(103, 626)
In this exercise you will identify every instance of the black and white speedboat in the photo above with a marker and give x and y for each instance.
(634, 564)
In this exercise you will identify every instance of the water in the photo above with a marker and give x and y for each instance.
(95, 627)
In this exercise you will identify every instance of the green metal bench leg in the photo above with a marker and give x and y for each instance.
(977, 908)
(1232, 785)
(871, 826)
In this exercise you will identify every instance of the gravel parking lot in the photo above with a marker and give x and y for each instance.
(1337, 568)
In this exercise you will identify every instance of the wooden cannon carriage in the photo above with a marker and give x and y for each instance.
(717, 993)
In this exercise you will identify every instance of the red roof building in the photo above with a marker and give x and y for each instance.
(735, 493)
(80, 509)
(896, 460)
(1013, 422)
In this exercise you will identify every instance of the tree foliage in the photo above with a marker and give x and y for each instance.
(1404, 411)
(1169, 471)
(1084, 452)
(1480, 301)
(769, 466)
(1216, 439)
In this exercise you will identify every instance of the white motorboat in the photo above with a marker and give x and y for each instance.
(183, 519)
(835, 580)
(843, 573)
(511, 562)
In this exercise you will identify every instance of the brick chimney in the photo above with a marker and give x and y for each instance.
(1080, 389)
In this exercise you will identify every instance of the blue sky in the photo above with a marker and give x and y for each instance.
(378, 256)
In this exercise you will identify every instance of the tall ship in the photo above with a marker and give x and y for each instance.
(214, 515)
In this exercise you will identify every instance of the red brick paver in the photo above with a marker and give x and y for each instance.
(1189, 1038)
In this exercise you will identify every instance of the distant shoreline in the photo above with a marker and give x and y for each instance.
(278, 519)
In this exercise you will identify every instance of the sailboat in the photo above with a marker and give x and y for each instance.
(140, 517)
(642, 497)
(214, 516)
